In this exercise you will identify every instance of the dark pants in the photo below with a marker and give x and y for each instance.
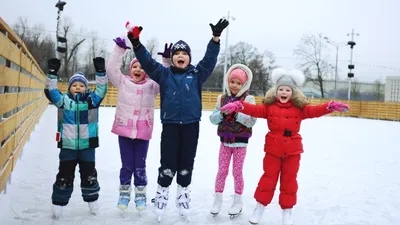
(133, 158)
(178, 150)
(64, 185)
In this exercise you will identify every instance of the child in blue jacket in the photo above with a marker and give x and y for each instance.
(180, 94)
(77, 133)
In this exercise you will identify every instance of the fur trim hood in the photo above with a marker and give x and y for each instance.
(246, 85)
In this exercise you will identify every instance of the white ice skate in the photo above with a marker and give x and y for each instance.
(287, 217)
(94, 207)
(236, 207)
(124, 196)
(56, 211)
(257, 214)
(183, 201)
(160, 201)
(216, 207)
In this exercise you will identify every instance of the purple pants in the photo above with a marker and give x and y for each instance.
(133, 158)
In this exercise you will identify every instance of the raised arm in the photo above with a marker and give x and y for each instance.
(51, 91)
(101, 82)
(244, 119)
(313, 111)
(114, 63)
(207, 64)
(216, 117)
(154, 69)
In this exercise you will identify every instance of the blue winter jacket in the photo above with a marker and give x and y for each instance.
(180, 93)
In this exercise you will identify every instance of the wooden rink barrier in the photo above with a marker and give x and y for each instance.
(360, 109)
(22, 99)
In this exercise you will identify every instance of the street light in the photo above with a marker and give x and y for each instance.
(226, 51)
(350, 74)
(337, 46)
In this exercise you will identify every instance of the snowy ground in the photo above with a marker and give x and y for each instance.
(348, 176)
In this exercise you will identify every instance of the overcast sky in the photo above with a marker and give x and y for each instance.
(268, 25)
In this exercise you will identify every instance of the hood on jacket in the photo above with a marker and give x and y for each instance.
(246, 85)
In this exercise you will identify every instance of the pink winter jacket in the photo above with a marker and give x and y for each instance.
(134, 116)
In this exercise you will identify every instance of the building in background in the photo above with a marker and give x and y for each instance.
(392, 89)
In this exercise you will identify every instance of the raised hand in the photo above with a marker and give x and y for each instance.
(53, 66)
(338, 106)
(134, 34)
(99, 64)
(121, 43)
(167, 51)
(219, 27)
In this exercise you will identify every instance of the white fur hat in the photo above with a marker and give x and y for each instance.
(292, 78)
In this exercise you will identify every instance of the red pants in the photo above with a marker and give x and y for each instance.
(287, 168)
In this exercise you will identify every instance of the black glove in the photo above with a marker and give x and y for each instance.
(133, 36)
(53, 66)
(219, 27)
(99, 64)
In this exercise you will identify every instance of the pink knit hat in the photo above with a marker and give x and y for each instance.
(132, 62)
(238, 74)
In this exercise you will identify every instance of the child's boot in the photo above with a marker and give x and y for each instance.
(216, 207)
(56, 211)
(287, 217)
(160, 201)
(257, 214)
(183, 200)
(124, 196)
(237, 205)
(94, 207)
(140, 198)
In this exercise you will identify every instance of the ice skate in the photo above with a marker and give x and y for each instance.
(124, 196)
(94, 207)
(216, 207)
(287, 217)
(183, 201)
(56, 211)
(160, 201)
(140, 198)
(257, 214)
(236, 207)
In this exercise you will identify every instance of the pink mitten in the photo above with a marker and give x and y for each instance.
(232, 107)
(337, 106)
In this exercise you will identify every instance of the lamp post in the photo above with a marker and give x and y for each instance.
(229, 17)
(350, 74)
(61, 41)
(337, 46)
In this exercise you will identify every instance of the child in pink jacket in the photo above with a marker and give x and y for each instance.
(133, 123)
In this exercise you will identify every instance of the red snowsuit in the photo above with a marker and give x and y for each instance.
(282, 148)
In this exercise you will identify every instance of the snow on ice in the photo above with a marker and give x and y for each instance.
(349, 175)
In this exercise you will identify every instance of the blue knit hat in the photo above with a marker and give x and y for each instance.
(78, 77)
(181, 46)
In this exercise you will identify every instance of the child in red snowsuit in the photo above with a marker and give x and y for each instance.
(284, 107)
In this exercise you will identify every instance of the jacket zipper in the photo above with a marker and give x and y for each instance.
(77, 117)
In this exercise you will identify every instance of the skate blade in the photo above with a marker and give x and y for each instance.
(122, 207)
(232, 216)
(253, 223)
(214, 214)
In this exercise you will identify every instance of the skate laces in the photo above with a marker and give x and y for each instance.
(162, 195)
(217, 198)
(184, 195)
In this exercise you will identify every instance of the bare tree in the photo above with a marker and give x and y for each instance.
(378, 90)
(39, 44)
(262, 66)
(151, 46)
(355, 88)
(314, 64)
(72, 48)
